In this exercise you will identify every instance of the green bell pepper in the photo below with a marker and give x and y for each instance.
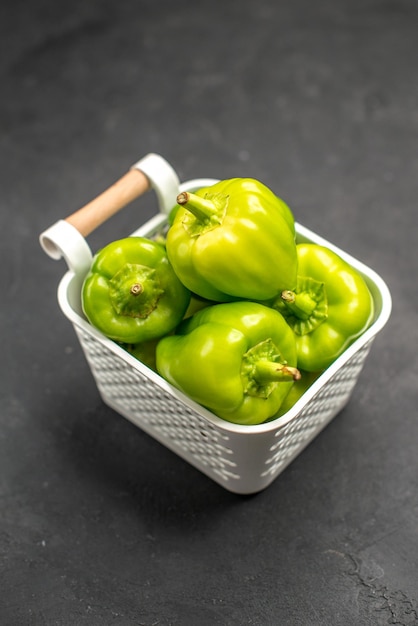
(225, 239)
(237, 359)
(330, 307)
(131, 293)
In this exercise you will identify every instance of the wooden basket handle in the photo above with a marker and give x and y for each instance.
(152, 171)
(129, 187)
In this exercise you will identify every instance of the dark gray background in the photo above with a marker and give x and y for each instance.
(100, 524)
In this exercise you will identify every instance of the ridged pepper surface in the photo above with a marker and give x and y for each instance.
(329, 308)
(237, 359)
(131, 293)
(225, 239)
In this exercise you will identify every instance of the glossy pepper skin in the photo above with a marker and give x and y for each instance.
(330, 307)
(131, 293)
(237, 359)
(225, 239)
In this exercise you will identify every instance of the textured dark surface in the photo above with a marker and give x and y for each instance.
(99, 524)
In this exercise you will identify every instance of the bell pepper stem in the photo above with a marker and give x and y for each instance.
(268, 371)
(202, 208)
(136, 289)
(301, 304)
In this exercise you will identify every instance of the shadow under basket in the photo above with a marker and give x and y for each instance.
(242, 459)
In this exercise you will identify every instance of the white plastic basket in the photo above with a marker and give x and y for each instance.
(243, 459)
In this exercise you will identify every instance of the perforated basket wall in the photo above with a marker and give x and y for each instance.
(242, 459)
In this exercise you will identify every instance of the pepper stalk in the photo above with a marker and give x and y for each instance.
(263, 367)
(205, 213)
(306, 307)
